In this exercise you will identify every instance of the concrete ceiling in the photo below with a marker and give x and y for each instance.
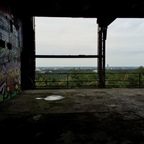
(104, 10)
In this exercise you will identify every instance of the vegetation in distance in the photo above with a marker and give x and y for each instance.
(88, 78)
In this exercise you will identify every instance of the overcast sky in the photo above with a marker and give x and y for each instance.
(76, 36)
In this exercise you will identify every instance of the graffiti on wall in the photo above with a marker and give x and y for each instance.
(10, 48)
(9, 73)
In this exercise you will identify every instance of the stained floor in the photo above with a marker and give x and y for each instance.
(80, 116)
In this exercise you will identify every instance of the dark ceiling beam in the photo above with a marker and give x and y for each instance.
(104, 11)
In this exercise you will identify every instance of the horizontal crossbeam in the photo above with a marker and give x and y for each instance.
(66, 56)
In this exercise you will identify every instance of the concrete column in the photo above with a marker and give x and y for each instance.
(28, 54)
(101, 56)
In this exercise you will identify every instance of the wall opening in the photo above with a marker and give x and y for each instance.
(64, 45)
(65, 36)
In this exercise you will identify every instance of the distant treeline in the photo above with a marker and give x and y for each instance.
(83, 78)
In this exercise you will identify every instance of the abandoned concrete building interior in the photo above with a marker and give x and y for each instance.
(83, 116)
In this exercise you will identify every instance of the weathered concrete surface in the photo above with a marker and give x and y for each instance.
(84, 116)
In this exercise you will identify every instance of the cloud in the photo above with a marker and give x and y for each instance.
(124, 44)
(66, 36)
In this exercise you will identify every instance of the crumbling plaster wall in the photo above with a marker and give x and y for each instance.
(11, 44)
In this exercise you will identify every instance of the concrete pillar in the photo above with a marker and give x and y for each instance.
(102, 31)
(28, 54)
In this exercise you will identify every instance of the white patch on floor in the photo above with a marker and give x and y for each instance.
(52, 97)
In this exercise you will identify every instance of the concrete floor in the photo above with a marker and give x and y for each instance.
(83, 116)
